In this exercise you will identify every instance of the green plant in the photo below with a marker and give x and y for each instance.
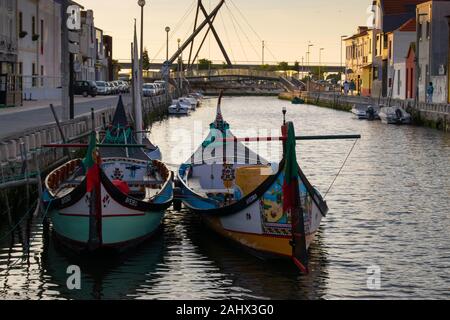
(204, 64)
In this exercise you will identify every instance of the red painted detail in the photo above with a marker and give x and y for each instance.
(122, 186)
(302, 268)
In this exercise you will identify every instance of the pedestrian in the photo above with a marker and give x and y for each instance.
(346, 87)
(352, 87)
(430, 91)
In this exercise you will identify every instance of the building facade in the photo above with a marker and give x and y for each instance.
(389, 15)
(101, 65)
(410, 66)
(399, 42)
(359, 58)
(85, 61)
(433, 49)
(39, 48)
(108, 43)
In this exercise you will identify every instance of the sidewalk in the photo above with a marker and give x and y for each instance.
(42, 104)
(37, 113)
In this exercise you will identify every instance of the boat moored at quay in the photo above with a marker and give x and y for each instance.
(271, 209)
(115, 198)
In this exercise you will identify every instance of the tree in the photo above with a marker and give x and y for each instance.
(204, 64)
(283, 66)
(297, 65)
(145, 60)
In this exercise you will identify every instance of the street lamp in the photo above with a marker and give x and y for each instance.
(141, 3)
(320, 62)
(308, 57)
(167, 43)
(342, 39)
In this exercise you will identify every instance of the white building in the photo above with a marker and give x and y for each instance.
(399, 42)
(85, 61)
(8, 36)
(101, 65)
(9, 84)
(39, 48)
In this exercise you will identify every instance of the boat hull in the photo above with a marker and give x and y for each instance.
(119, 221)
(261, 226)
(120, 225)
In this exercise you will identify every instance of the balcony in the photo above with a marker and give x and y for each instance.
(7, 46)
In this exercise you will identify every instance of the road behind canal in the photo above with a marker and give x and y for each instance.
(389, 212)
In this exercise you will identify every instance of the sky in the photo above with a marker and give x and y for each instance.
(286, 26)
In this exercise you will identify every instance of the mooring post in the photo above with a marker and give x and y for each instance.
(25, 171)
(39, 181)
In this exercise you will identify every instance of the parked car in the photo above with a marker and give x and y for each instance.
(149, 89)
(85, 88)
(160, 88)
(114, 87)
(102, 88)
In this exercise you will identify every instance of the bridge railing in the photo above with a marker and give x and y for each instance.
(230, 73)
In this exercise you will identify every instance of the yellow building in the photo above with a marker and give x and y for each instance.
(359, 59)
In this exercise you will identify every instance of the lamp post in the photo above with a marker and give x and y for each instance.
(342, 39)
(308, 55)
(167, 43)
(263, 47)
(141, 3)
(320, 62)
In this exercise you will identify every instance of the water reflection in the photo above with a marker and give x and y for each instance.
(388, 208)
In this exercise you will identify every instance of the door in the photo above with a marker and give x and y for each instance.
(3, 88)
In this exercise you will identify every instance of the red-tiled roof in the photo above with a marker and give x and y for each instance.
(408, 26)
(399, 6)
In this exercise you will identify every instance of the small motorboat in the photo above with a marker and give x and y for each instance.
(394, 115)
(243, 197)
(114, 198)
(178, 108)
(190, 101)
(365, 112)
(298, 100)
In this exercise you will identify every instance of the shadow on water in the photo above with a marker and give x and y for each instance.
(103, 276)
(272, 279)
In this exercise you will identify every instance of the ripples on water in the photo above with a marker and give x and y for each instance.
(390, 208)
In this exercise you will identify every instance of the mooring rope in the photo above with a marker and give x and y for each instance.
(28, 246)
(340, 170)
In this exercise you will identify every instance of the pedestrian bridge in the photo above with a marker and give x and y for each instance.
(222, 74)
(230, 75)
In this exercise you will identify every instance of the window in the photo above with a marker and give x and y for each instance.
(428, 30)
(419, 32)
(42, 36)
(399, 82)
(33, 25)
(20, 21)
(33, 75)
(42, 76)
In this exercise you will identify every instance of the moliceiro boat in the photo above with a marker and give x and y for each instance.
(114, 198)
(271, 209)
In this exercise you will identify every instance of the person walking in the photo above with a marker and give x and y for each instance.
(430, 91)
(352, 87)
(346, 87)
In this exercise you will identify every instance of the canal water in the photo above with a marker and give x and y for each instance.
(387, 234)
